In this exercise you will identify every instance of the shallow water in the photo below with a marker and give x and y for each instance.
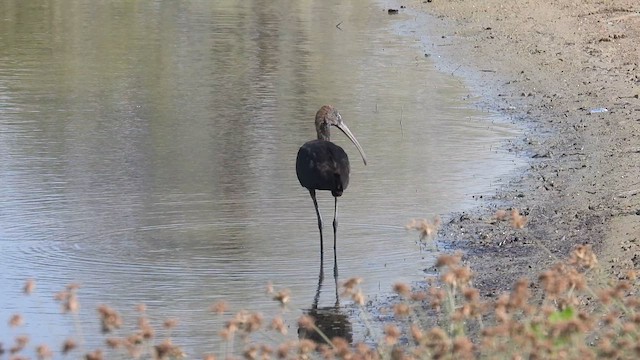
(147, 153)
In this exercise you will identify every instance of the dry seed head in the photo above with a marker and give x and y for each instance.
(565, 329)
(69, 299)
(44, 352)
(170, 323)
(351, 284)
(469, 310)
(517, 221)
(500, 310)
(16, 320)
(401, 310)
(437, 339)
(95, 355)
(629, 329)
(392, 334)
(491, 334)
(135, 339)
(166, 350)
(622, 287)
(220, 307)
(73, 287)
(426, 228)
(283, 350)
(306, 322)
(226, 334)
(342, 348)
(325, 351)
(115, 343)
(306, 346)
(245, 321)
(606, 296)
(611, 318)
(459, 314)
(402, 289)
(209, 357)
(109, 318)
(278, 325)
(266, 351)
(520, 294)
(471, 294)
(72, 305)
(253, 323)
(583, 256)
(397, 353)
(146, 330)
(418, 296)
(269, 288)
(463, 275)
(554, 281)
(463, 348)
(436, 297)
(416, 333)
(448, 260)
(450, 278)
(363, 351)
(632, 302)
(501, 330)
(21, 343)
(232, 325)
(141, 308)
(282, 297)
(631, 275)
(576, 279)
(626, 344)
(250, 353)
(358, 297)
(134, 350)
(68, 345)
(29, 286)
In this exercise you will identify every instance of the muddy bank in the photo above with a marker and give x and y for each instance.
(569, 73)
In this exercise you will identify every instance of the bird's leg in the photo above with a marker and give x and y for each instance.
(315, 203)
(335, 232)
(335, 279)
(320, 280)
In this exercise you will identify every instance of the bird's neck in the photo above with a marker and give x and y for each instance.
(323, 132)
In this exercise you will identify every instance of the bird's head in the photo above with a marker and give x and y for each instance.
(328, 116)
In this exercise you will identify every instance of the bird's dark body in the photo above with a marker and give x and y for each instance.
(323, 165)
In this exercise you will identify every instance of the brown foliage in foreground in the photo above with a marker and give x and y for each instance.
(566, 319)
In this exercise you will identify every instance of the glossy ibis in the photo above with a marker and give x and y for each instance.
(323, 165)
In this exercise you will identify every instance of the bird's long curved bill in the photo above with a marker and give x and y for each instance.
(343, 127)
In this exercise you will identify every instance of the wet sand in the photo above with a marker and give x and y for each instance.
(550, 68)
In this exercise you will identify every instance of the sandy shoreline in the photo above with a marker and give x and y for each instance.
(547, 66)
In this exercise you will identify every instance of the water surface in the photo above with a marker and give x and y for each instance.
(147, 153)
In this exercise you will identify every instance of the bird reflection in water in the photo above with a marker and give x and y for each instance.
(330, 320)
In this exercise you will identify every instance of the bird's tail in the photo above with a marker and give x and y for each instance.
(338, 188)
